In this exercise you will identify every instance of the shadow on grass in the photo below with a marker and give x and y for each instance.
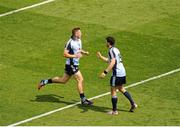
(97, 108)
(50, 98)
(56, 99)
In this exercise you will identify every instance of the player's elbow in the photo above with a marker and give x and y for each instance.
(112, 64)
(65, 55)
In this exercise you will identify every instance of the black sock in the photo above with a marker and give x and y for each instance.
(82, 96)
(114, 102)
(128, 96)
(49, 81)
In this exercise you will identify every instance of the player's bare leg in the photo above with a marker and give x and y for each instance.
(114, 100)
(128, 96)
(79, 78)
(62, 80)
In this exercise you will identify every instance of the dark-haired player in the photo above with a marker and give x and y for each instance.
(73, 52)
(118, 75)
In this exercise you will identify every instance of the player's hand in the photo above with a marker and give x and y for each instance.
(102, 75)
(98, 54)
(86, 53)
(78, 55)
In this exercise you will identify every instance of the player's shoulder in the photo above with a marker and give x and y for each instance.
(116, 50)
(69, 41)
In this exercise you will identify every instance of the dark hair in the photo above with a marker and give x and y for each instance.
(110, 40)
(74, 30)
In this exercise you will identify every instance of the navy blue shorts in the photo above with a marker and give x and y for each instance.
(117, 81)
(71, 69)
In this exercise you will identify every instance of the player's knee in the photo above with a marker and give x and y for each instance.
(113, 94)
(121, 89)
(81, 80)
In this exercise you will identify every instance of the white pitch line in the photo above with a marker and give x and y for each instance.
(95, 97)
(153, 78)
(25, 8)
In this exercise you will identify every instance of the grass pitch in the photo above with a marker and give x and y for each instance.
(31, 46)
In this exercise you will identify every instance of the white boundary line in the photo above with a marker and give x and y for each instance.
(25, 8)
(95, 97)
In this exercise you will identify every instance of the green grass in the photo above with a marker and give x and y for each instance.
(156, 107)
(32, 43)
(18, 3)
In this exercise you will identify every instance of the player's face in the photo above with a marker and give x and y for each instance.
(78, 34)
(107, 44)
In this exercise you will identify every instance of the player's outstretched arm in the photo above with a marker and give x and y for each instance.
(67, 55)
(84, 52)
(105, 59)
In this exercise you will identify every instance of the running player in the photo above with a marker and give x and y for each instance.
(73, 52)
(118, 75)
